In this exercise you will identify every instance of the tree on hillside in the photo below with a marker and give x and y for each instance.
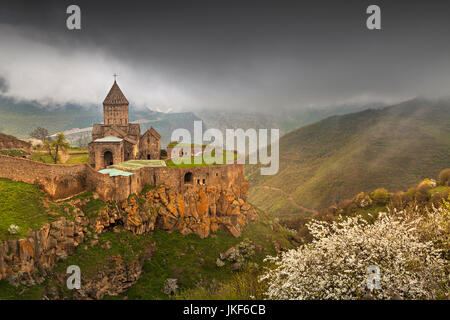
(58, 144)
(40, 134)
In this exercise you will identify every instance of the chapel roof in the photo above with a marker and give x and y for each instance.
(115, 96)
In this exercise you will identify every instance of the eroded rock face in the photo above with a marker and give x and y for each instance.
(114, 279)
(200, 210)
(28, 260)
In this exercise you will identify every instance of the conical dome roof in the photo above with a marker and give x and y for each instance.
(115, 96)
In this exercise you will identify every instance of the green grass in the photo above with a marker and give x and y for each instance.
(192, 164)
(443, 190)
(21, 204)
(95, 258)
(22, 292)
(13, 153)
(78, 157)
(41, 156)
(191, 259)
(173, 144)
(93, 207)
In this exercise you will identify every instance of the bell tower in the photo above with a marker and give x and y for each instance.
(115, 107)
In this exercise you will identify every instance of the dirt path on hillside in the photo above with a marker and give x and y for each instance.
(290, 198)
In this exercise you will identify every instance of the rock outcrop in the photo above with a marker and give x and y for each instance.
(200, 210)
(28, 260)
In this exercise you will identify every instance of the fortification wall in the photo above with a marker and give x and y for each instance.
(58, 181)
(220, 175)
(63, 181)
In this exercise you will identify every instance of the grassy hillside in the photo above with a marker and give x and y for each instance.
(23, 205)
(333, 159)
(189, 259)
(285, 120)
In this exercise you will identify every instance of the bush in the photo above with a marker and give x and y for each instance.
(335, 265)
(380, 196)
(444, 177)
(399, 200)
(411, 194)
(346, 207)
(244, 285)
(362, 200)
(423, 191)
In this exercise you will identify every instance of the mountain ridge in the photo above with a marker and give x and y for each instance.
(328, 161)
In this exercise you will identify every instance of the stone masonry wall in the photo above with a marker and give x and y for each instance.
(63, 181)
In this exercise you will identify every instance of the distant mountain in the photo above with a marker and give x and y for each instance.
(334, 159)
(285, 120)
(20, 118)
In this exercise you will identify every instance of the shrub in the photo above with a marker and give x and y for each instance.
(444, 177)
(398, 200)
(335, 264)
(243, 285)
(423, 191)
(380, 196)
(411, 194)
(346, 207)
(362, 200)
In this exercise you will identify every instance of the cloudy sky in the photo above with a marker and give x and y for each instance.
(229, 55)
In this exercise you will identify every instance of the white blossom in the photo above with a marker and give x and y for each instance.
(334, 265)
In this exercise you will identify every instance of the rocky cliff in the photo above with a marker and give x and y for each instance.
(201, 210)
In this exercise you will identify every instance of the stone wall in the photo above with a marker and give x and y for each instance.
(149, 146)
(97, 153)
(63, 181)
(58, 181)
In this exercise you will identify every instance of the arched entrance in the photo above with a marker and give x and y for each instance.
(108, 156)
(148, 157)
(188, 177)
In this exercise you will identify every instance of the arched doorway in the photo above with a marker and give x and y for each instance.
(188, 177)
(108, 156)
(148, 157)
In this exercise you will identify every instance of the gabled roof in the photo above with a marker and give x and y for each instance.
(124, 135)
(115, 96)
(153, 132)
(109, 139)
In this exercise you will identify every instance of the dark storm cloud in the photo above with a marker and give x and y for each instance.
(252, 55)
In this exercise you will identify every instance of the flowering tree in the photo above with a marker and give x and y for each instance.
(335, 265)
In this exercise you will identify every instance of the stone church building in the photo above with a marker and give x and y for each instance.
(118, 140)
